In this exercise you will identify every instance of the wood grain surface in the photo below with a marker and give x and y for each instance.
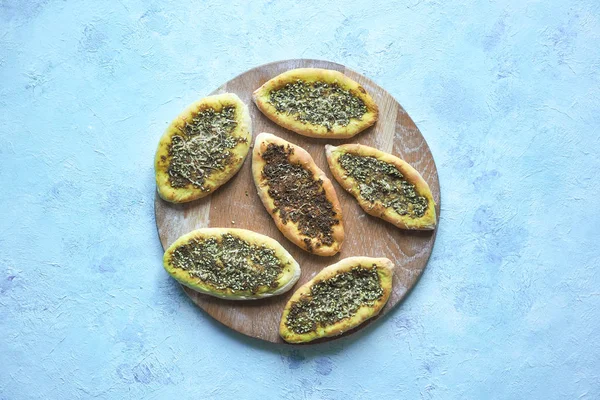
(236, 204)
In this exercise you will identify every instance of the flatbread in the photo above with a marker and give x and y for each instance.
(377, 208)
(203, 280)
(200, 180)
(262, 98)
(324, 243)
(384, 269)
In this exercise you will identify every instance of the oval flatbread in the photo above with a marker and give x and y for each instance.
(315, 102)
(384, 185)
(339, 298)
(235, 264)
(298, 195)
(202, 148)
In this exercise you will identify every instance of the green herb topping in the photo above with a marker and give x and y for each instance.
(334, 299)
(229, 263)
(202, 147)
(318, 103)
(381, 182)
(298, 197)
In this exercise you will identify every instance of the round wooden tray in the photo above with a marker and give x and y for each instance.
(236, 204)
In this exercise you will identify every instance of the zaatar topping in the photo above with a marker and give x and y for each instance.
(202, 147)
(331, 300)
(318, 103)
(229, 263)
(298, 197)
(382, 182)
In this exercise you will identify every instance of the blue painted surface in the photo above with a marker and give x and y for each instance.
(507, 96)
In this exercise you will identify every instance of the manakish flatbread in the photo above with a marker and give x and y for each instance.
(235, 264)
(202, 148)
(339, 298)
(315, 102)
(298, 195)
(384, 185)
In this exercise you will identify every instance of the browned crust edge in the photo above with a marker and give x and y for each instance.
(290, 230)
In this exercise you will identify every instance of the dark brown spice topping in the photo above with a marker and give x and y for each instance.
(298, 197)
(308, 245)
(318, 103)
(382, 182)
(229, 263)
(334, 299)
(203, 147)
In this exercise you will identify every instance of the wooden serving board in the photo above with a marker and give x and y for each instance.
(236, 204)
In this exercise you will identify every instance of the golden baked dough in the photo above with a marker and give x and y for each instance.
(339, 110)
(235, 264)
(384, 185)
(202, 148)
(298, 195)
(339, 298)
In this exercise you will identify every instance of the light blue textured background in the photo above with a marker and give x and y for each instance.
(507, 95)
